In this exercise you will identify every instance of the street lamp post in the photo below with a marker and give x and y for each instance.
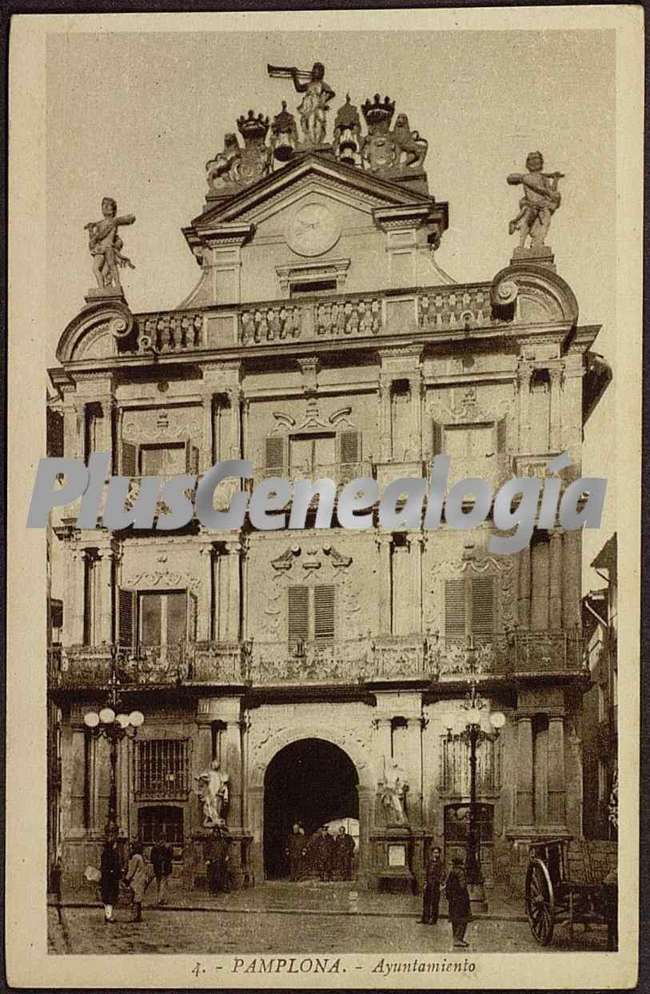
(476, 717)
(113, 724)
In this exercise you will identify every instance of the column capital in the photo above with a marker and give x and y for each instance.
(384, 540)
(556, 373)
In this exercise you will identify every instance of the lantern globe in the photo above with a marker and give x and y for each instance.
(107, 716)
(122, 720)
(498, 719)
(136, 718)
(91, 720)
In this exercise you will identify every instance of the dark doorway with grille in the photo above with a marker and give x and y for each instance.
(312, 782)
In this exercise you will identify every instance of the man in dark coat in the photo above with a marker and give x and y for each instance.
(432, 879)
(458, 899)
(218, 859)
(295, 851)
(343, 854)
(323, 850)
(161, 860)
(111, 871)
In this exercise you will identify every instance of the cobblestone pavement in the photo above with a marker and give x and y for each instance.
(214, 932)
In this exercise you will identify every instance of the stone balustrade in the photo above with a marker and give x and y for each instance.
(438, 310)
(352, 661)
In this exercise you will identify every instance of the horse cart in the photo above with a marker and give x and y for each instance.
(566, 886)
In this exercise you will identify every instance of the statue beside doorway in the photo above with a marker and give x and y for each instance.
(393, 789)
(214, 792)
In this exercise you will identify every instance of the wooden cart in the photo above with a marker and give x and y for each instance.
(558, 895)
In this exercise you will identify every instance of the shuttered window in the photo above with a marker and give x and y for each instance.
(126, 621)
(350, 447)
(455, 609)
(311, 612)
(324, 613)
(274, 455)
(298, 614)
(128, 462)
(469, 607)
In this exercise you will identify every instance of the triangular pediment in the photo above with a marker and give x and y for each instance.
(310, 174)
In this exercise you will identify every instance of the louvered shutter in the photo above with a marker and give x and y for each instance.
(126, 618)
(436, 439)
(298, 614)
(455, 609)
(350, 447)
(191, 458)
(192, 615)
(324, 613)
(502, 433)
(274, 455)
(482, 606)
(128, 464)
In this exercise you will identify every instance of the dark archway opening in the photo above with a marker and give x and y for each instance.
(311, 781)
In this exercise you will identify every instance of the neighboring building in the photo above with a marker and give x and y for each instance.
(322, 340)
(600, 703)
(54, 627)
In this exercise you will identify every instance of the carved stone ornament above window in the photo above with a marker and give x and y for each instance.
(311, 558)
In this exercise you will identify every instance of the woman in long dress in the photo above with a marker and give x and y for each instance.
(136, 878)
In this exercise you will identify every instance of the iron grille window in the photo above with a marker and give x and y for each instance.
(162, 768)
(160, 822)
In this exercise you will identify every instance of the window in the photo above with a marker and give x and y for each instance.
(162, 768)
(311, 453)
(311, 614)
(469, 608)
(168, 459)
(161, 619)
(274, 455)
(309, 287)
(455, 772)
(160, 822)
(457, 823)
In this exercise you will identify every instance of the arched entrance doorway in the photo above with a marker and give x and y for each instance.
(311, 781)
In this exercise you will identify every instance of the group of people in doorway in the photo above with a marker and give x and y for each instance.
(455, 890)
(327, 856)
(137, 875)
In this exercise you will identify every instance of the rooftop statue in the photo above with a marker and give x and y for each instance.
(540, 201)
(384, 151)
(106, 245)
(313, 107)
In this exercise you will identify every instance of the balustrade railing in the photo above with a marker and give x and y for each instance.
(438, 309)
(360, 660)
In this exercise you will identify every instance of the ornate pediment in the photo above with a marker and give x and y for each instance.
(310, 558)
(97, 331)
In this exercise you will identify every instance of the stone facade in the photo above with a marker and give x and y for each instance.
(349, 355)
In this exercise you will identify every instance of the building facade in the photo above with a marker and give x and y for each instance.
(319, 667)
(600, 704)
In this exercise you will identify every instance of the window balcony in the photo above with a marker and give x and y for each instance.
(341, 473)
(351, 661)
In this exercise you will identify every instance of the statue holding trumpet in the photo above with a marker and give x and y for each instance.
(313, 106)
(540, 201)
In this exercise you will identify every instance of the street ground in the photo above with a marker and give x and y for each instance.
(273, 918)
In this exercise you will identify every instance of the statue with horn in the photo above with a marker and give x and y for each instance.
(313, 106)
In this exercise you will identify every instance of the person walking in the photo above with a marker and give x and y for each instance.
(161, 860)
(432, 880)
(109, 880)
(457, 896)
(136, 878)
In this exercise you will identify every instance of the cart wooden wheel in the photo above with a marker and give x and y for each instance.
(540, 902)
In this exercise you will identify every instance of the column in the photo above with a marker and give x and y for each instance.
(366, 802)
(572, 572)
(555, 586)
(556, 777)
(414, 757)
(232, 763)
(385, 431)
(416, 548)
(556, 373)
(73, 427)
(256, 824)
(103, 625)
(207, 456)
(524, 374)
(524, 770)
(524, 587)
(204, 621)
(201, 759)
(385, 736)
(234, 396)
(74, 601)
(417, 388)
(384, 542)
(233, 609)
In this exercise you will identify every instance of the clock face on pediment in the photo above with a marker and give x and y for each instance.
(313, 230)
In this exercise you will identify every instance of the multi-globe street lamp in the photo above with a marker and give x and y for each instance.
(475, 724)
(114, 724)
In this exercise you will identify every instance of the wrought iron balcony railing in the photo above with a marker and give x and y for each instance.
(434, 310)
(351, 661)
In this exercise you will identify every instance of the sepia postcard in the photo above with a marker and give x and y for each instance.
(324, 443)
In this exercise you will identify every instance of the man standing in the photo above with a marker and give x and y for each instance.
(323, 845)
(432, 880)
(218, 861)
(161, 860)
(458, 899)
(343, 853)
(295, 851)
